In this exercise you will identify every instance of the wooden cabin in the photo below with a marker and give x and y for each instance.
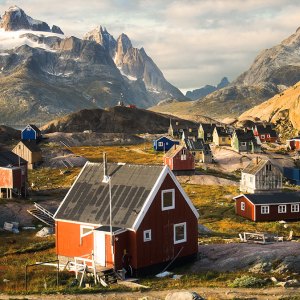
(205, 132)
(152, 219)
(243, 140)
(29, 151)
(261, 176)
(199, 149)
(221, 136)
(180, 160)
(13, 175)
(265, 132)
(164, 144)
(268, 207)
(31, 132)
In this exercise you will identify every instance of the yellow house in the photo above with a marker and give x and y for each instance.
(221, 137)
(30, 152)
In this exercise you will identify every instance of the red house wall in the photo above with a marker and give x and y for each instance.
(274, 215)
(161, 248)
(176, 164)
(248, 213)
(6, 178)
(68, 242)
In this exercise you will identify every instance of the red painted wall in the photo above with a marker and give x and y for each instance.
(176, 164)
(248, 213)
(11, 178)
(274, 215)
(68, 242)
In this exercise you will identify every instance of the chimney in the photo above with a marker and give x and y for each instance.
(257, 160)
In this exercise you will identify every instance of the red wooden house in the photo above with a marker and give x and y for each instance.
(152, 219)
(265, 132)
(179, 158)
(13, 175)
(268, 207)
(294, 143)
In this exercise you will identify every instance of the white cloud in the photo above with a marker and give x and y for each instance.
(193, 42)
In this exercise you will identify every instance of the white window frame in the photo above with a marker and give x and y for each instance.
(262, 136)
(243, 144)
(265, 209)
(294, 207)
(185, 235)
(282, 209)
(243, 205)
(162, 199)
(147, 238)
(82, 227)
(160, 144)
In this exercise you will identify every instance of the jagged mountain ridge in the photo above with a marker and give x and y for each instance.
(207, 89)
(43, 76)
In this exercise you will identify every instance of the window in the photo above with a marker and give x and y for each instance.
(179, 233)
(269, 167)
(147, 235)
(160, 144)
(282, 209)
(268, 135)
(85, 230)
(168, 199)
(262, 136)
(223, 139)
(183, 154)
(208, 135)
(265, 210)
(243, 143)
(295, 208)
(242, 205)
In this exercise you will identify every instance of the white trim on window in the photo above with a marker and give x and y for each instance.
(85, 230)
(160, 144)
(243, 144)
(294, 207)
(172, 206)
(182, 240)
(147, 235)
(281, 209)
(265, 209)
(242, 205)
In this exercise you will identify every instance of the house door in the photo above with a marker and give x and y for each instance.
(99, 247)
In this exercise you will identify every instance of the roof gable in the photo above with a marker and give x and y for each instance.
(9, 158)
(30, 145)
(256, 165)
(272, 198)
(173, 151)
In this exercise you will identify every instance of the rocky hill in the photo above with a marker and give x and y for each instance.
(283, 109)
(206, 90)
(44, 74)
(116, 119)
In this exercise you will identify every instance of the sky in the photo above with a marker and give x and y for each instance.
(194, 43)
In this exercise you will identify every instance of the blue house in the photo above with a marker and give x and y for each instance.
(292, 174)
(164, 144)
(31, 132)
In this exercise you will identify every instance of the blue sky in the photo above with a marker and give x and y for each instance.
(193, 42)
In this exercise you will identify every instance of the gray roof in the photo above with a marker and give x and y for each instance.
(245, 135)
(197, 145)
(8, 158)
(35, 128)
(88, 198)
(274, 198)
(266, 129)
(31, 145)
(255, 165)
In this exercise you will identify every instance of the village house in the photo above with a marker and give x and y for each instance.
(294, 143)
(180, 160)
(177, 129)
(199, 149)
(243, 140)
(164, 144)
(151, 220)
(268, 207)
(13, 175)
(221, 136)
(205, 132)
(29, 151)
(265, 132)
(31, 132)
(260, 176)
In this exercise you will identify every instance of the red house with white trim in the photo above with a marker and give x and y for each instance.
(294, 143)
(179, 158)
(268, 207)
(265, 132)
(152, 219)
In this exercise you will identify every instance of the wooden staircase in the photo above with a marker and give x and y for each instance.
(42, 214)
(108, 276)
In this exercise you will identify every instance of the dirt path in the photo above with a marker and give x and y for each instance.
(207, 293)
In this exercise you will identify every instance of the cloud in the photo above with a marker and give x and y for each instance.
(193, 42)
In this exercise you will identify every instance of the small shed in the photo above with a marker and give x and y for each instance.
(261, 176)
(243, 140)
(265, 132)
(180, 160)
(29, 151)
(13, 175)
(268, 207)
(205, 132)
(31, 132)
(151, 222)
(294, 143)
(199, 149)
(164, 144)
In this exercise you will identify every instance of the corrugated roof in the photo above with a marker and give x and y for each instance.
(197, 145)
(88, 198)
(274, 198)
(173, 151)
(9, 158)
(255, 165)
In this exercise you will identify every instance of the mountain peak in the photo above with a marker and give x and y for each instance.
(124, 43)
(16, 19)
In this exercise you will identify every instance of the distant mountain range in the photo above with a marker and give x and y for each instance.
(44, 74)
(206, 90)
